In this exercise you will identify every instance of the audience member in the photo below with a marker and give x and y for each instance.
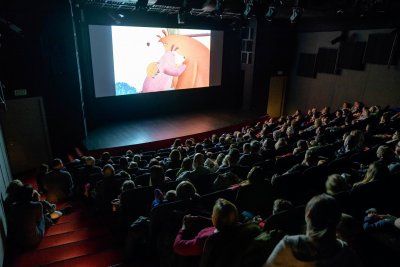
(58, 182)
(319, 247)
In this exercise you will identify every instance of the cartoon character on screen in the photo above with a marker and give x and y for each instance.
(160, 74)
(197, 55)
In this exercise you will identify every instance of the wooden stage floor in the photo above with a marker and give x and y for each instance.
(149, 130)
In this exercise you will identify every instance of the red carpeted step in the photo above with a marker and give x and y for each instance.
(70, 237)
(64, 252)
(70, 226)
(102, 259)
(74, 216)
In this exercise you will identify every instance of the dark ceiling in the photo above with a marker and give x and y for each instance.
(233, 9)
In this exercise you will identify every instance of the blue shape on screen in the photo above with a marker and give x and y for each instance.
(122, 88)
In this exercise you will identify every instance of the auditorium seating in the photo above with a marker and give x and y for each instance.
(297, 187)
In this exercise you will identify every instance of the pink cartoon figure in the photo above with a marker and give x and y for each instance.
(160, 74)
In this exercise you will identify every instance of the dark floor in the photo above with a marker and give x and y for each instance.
(161, 128)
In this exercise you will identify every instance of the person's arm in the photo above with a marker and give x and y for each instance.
(189, 247)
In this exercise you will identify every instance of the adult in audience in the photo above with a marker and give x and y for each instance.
(253, 157)
(58, 182)
(319, 246)
(12, 193)
(350, 146)
(186, 190)
(157, 176)
(310, 160)
(198, 171)
(174, 160)
(302, 146)
(376, 172)
(336, 184)
(224, 217)
(177, 143)
(185, 166)
(227, 246)
(256, 196)
(246, 149)
(105, 159)
(27, 224)
(386, 156)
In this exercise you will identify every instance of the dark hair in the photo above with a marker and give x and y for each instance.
(55, 163)
(105, 156)
(255, 175)
(186, 163)
(255, 146)
(123, 162)
(185, 190)
(157, 175)
(234, 154)
(175, 155)
(322, 215)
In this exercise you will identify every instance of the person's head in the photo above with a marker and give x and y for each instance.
(246, 148)
(311, 157)
(177, 143)
(335, 184)
(186, 164)
(129, 153)
(281, 143)
(185, 190)
(153, 162)
(175, 155)
(350, 143)
(322, 215)
(255, 146)
(281, 205)
(13, 187)
(346, 105)
(127, 185)
(43, 169)
(133, 165)
(157, 175)
(397, 149)
(360, 139)
(376, 172)
(234, 155)
(125, 175)
(302, 145)
(214, 138)
(105, 157)
(385, 154)
(123, 162)
(221, 140)
(256, 176)
(89, 161)
(198, 161)
(290, 132)
(108, 170)
(276, 134)
(136, 158)
(56, 164)
(220, 158)
(224, 215)
(170, 195)
(199, 148)
(189, 142)
(348, 228)
(25, 193)
(339, 113)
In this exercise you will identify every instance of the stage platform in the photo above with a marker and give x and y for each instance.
(131, 133)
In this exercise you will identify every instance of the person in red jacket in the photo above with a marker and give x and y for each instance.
(225, 215)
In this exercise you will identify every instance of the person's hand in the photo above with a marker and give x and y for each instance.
(188, 221)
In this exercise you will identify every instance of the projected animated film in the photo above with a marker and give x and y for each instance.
(160, 59)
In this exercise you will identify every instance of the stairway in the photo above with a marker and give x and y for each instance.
(76, 239)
